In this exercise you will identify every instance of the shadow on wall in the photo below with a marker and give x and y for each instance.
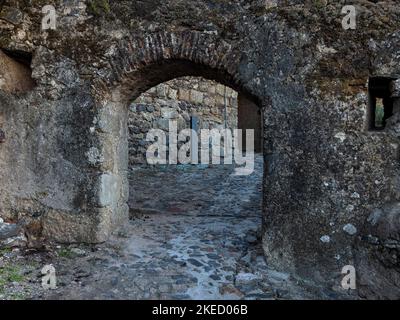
(249, 117)
(2, 136)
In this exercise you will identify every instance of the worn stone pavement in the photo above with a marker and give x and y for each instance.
(194, 233)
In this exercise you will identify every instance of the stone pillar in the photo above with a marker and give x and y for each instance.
(112, 183)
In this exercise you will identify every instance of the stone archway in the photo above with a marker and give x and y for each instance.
(137, 65)
(328, 177)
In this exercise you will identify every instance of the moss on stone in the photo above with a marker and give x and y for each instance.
(99, 7)
(8, 274)
(66, 253)
(319, 4)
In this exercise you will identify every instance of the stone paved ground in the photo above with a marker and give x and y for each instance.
(194, 234)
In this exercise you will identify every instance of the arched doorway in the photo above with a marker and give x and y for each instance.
(151, 69)
(199, 223)
(114, 114)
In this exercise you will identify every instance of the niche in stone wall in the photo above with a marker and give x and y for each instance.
(380, 102)
(15, 71)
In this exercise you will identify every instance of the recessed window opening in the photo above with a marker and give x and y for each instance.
(381, 103)
(15, 71)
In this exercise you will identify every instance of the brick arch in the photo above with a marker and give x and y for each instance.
(139, 63)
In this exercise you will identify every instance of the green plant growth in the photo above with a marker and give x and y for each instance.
(97, 7)
(379, 113)
(65, 253)
(10, 274)
(17, 296)
(319, 4)
(4, 251)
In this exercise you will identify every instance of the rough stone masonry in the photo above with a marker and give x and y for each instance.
(331, 184)
(213, 106)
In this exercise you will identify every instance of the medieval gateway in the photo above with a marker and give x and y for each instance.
(82, 83)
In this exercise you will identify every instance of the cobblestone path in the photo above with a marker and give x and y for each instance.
(194, 233)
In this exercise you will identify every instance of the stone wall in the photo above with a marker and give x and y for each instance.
(178, 100)
(64, 159)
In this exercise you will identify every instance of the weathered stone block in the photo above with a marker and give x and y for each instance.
(163, 124)
(184, 95)
(169, 113)
(204, 86)
(172, 94)
(196, 96)
(161, 91)
(211, 90)
(220, 89)
(108, 189)
(209, 101)
(221, 100)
